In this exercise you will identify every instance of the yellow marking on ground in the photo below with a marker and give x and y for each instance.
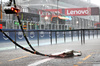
(87, 62)
(86, 57)
(75, 65)
(17, 58)
(79, 62)
(84, 62)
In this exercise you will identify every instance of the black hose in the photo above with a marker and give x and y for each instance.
(34, 51)
(22, 29)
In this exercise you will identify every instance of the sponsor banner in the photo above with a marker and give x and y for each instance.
(50, 12)
(78, 11)
(70, 12)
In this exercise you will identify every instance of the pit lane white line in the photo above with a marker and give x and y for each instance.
(41, 61)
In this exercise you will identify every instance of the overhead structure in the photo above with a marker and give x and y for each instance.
(62, 4)
(48, 4)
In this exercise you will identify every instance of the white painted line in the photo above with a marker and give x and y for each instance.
(41, 61)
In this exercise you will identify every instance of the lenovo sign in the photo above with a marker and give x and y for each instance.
(70, 11)
(78, 11)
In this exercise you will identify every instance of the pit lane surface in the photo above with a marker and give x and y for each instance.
(90, 55)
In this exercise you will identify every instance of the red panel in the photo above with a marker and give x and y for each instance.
(0, 26)
(67, 12)
(49, 12)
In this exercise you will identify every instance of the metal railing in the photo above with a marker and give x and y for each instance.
(53, 36)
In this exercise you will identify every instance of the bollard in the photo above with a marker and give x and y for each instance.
(64, 37)
(56, 37)
(72, 35)
(84, 36)
(15, 40)
(38, 37)
(51, 37)
(78, 34)
(81, 36)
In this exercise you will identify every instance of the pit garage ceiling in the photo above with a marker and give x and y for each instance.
(48, 4)
(52, 4)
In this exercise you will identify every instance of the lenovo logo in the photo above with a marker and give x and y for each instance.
(78, 11)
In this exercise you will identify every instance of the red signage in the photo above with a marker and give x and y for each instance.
(78, 11)
(70, 12)
(0, 26)
(49, 12)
